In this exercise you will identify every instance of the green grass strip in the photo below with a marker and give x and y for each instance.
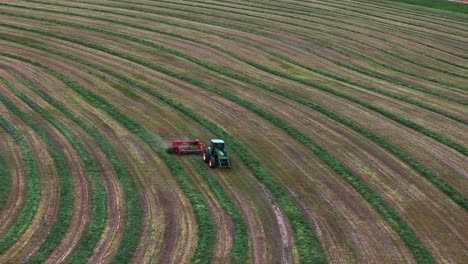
(307, 242)
(438, 4)
(99, 207)
(403, 8)
(65, 210)
(33, 189)
(240, 244)
(206, 232)
(5, 186)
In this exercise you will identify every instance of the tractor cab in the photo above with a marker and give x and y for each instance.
(216, 155)
(216, 145)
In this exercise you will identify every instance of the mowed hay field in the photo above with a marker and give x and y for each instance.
(347, 123)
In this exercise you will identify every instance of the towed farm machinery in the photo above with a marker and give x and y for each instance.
(215, 154)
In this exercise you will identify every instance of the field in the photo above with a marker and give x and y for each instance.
(347, 123)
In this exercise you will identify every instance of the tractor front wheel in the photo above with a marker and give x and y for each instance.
(205, 155)
(212, 163)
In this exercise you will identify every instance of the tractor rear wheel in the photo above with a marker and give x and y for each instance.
(212, 163)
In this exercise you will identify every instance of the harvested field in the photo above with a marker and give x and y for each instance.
(346, 122)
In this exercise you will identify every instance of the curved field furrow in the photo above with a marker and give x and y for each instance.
(15, 187)
(41, 199)
(346, 124)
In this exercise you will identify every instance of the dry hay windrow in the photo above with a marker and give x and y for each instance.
(218, 82)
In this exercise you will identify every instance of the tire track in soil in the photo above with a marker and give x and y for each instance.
(12, 155)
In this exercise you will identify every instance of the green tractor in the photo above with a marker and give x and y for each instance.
(216, 155)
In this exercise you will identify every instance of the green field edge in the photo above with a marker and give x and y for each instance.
(437, 4)
(33, 189)
(349, 6)
(65, 210)
(406, 233)
(411, 9)
(370, 6)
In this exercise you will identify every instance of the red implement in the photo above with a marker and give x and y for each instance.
(188, 147)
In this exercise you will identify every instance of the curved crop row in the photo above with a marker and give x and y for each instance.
(365, 71)
(307, 243)
(443, 186)
(206, 229)
(240, 244)
(98, 195)
(326, 15)
(65, 210)
(343, 37)
(387, 213)
(98, 214)
(321, 72)
(33, 192)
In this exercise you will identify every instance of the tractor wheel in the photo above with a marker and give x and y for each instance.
(212, 163)
(205, 156)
